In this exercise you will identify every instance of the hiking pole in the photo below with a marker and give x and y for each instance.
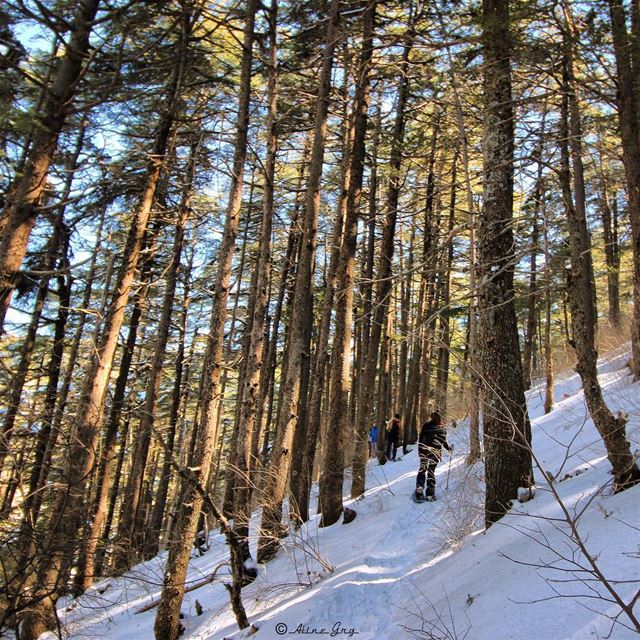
(446, 486)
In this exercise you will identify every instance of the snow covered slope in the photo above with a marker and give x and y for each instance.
(405, 570)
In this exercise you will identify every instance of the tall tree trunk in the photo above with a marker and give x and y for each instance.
(383, 274)
(267, 383)
(26, 352)
(337, 430)
(84, 574)
(63, 393)
(120, 465)
(153, 533)
(227, 503)
(413, 382)
(412, 417)
(302, 489)
(608, 207)
(385, 405)
(129, 544)
(68, 513)
(627, 54)
(315, 423)
(33, 126)
(24, 199)
(58, 243)
(275, 485)
(431, 294)
(444, 344)
(249, 386)
(219, 451)
(182, 426)
(370, 253)
(532, 298)
(405, 300)
(27, 540)
(48, 433)
(475, 448)
(167, 622)
(609, 216)
(506, 422)
(472, 347)
(548, 352)
(581, 282)
(300, 433)
(45, 440)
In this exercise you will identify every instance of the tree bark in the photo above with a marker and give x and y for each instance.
(181, 406)
(47, 436)
(548, 352)
(475, 451)
(153, 533)
(23, 202)
(383, 279)
(276, 479)
(249, 387)
(609, 216)
(444, 342)
(532, 298)
(26, 545)
(59, 243)
(506, 422)
(412, 416)
(167, 622)
(370, 253)
(129, 544)
(332, 473)
(302, 489)
(63, 393)
(581, 283)
(26, 352)
(406, 298)
(69, 511)
(86, 568)
(227, 503)
(267, 384)
(627, 54)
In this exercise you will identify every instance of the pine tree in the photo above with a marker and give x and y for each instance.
(167, 622)
(22, 206)
(505, 420)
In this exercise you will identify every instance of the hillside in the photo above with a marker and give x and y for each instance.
(404, 570)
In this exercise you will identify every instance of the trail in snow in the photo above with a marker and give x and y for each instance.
(401, 567)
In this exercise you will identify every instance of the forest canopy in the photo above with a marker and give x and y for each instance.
(234, 236)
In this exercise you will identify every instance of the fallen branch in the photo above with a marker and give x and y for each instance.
(196, 585)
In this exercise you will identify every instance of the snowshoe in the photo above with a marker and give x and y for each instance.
(418, 495)
(430, 498)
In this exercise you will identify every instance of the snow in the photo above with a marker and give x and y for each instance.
(404, 570)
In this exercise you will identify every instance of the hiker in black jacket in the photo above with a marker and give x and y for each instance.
(393, 437)
(430, 442)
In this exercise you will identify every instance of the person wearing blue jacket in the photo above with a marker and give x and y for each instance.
(373, 441)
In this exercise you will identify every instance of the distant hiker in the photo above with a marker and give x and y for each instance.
(393, 437)
(430, 442)
(373, 441)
